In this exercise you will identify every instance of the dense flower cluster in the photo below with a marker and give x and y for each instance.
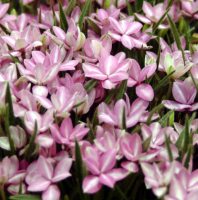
(94, 92)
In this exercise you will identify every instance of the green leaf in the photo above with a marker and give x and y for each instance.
(163, 82)
(138, 5)
(79, 166)
(63, 20)
(129, 7)
(188, 156)
(120, 193)
(8, 100)
(25, 197)
(146, 143)
(121, 90)
(176, 36)
(70, 7)
(31, 146)
(153, 111)
(167, 142)
(84, 13)
(7, 129)
(106, 4)
(184, 137)
(90, 85)
(94, 26)
(124, 119)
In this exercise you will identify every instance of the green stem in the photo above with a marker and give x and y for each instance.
(2, 193)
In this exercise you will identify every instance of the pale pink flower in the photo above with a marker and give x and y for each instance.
(67, 133)
(93, 48)
(102, 171)
(131, 147)
(137, 76)
(110, 70)
(18, 136)
(184, 93)
(26, 40)
(152, 14)
(41, 68)
(158, 178)
(157, 134)
(43, 175)
(127, 33)
(114, 115)
(11, 176)
(73, 39)
(190, 8)
(63, 101)
(183, 186)
(43, 121)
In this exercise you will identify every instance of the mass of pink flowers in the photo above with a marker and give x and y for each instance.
(98, 99)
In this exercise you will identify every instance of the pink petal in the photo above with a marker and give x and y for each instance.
(59, 33)
(45, 140)
(56, 134)
(61, 171)
(134, 28)
(109, 65)
(91, 184)
(93, 72)
(39, 185)
(173, 105)
(38, 57)
(66, 128)
(148, 9)
(127, 42)
(69, 65)
(107, 160)
(143, 19)
(180, 93)
(45, 168)
(118, 174)
(107, 180)
(52, 193)
(115, 25)
(55, 55)
(130, 166)
(3, 9)
(145, 92)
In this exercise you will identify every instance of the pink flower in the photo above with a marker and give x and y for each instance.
(190, 8)
(10, 175)
(183, 186)
(184, 94)
(158, 178)
(102, 171)
(152, 14)
(73, 39)
(18, 136)
(43, 174)
(157, 134)
(93, 48)
(137, 76)
(131, 147)
(63, 101)
(26, 39)
(67, 134)
(43, 121)
(127, 33)
(42, 69)
(114, 115)
(110, 70)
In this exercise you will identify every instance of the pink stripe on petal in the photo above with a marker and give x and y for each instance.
(91, 184)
